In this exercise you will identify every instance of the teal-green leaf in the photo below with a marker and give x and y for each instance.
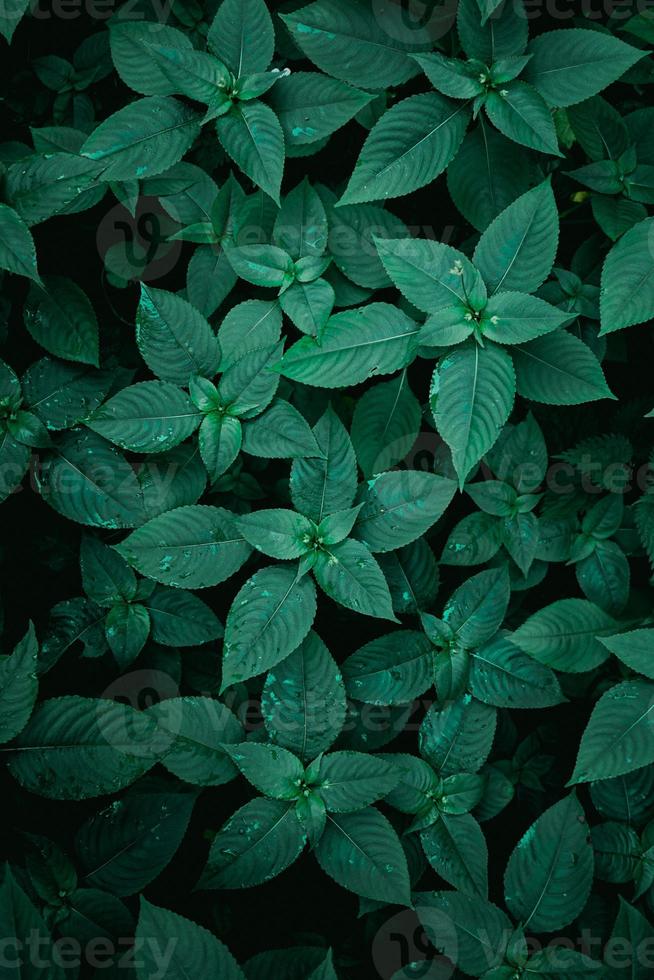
(310, 106)
(393, 669)
(559, 369)
(17, 251)
(399, 506)
(174, 339)
(467, 928)
(458, 736)
(257, 843)
(517, 250)
(431, 275)
(522, 115)
(504, 676)
(357, 43)
(571, 65)
(565, 635)
(197, 728)
(618, 737)
(74, 748)
(194, 949)
(242, 37)
(355, 345)
(268, 619)
(550, 872)
(190, 547)
(277, 532)
(18, 686)
(627, 295)
(455, 847)
(143, 138)
(409, 147)
(251, 135)
(87, 480)
(472, 396)
(348, 574)
(327, 483)
(148, 417)
(123, 847)
(303, 700)
(634, 648)
(362, 853)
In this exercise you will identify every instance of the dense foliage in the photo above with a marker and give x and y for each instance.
(328, 517)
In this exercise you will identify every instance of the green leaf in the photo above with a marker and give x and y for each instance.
(486, 175)
(458, 737)
(559, 369)
(272, 770)
(455, 847)
(242, 36)
(467, 928)
(521, 114)
(633, 928)
(148, 417)
(75, 748)
(412, 576)
(634, 648)
(17, 251)
(399, 507)
(517, 250)
(198, 728)
(142, 74)
(311, 106)
(303, 700)
(105, 576)
(487, 38)
(409, 147)
(516, 318)
(88, 481)
(254, 323)
(123, 847)
(618, 737)
(550, 872)
(627, 295)
(433, 276)
(257, 843)
(281, 431)
(361, 852)
(326, 483)
(350, 781)
(174, 339)
(191, 547)
(10, 16)
(251, 135)
(64, 394)
(477, 608)
(262, 265)
(180, 618)
(565, 635)
(357, 43)
(127, 628)
(356, 344)
(24, 926)
(142, 139)
(18, 686)
(268, 619)
(393, 669)
(193, 948)
(349, 575)
(309, 305)
(504, 676)
(277, 532)
(472, 396)
(571, 65)
(220, 439)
